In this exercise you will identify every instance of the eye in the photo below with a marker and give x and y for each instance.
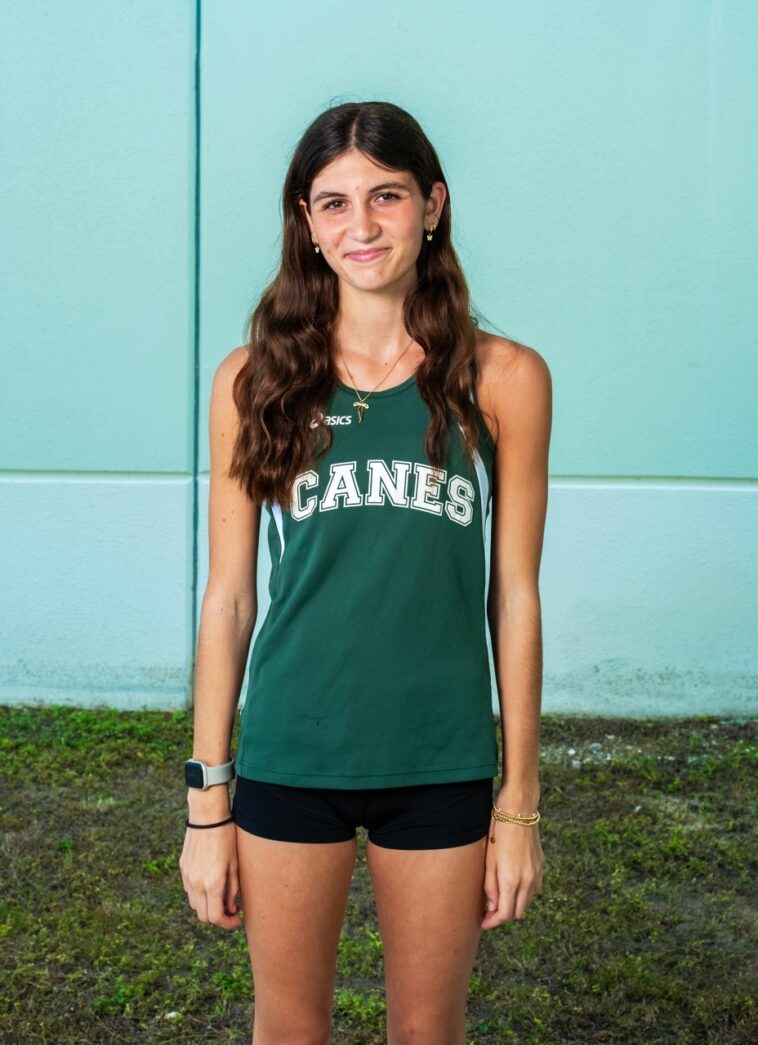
(330, 204)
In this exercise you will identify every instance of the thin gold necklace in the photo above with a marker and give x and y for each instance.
(361, 403)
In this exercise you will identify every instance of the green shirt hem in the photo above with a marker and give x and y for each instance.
(348, 780)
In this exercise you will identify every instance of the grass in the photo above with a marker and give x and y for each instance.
(645, 931)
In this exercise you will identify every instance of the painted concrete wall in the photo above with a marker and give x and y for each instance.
(96, 325)
(605, 211)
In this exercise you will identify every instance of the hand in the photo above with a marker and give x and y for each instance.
(513, 871)
(210, 874)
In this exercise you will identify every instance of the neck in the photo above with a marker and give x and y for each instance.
(369, 326)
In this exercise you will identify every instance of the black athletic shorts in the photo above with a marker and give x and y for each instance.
(419, 816)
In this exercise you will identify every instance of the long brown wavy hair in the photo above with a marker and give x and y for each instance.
(288, 378)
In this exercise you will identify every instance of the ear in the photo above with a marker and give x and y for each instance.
(303, 204)
(436, 200)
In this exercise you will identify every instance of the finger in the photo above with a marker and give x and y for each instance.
(200, 907)
(508, 887)
(232, 892)
(521, 900)
(502, 913)
(230, 921)
(215, 908)
(490, 920)
(492, 917)
(491, 892)
(217, 915)
(490, 903)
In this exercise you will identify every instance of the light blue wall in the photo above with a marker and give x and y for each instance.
(605, 210)
(96, 328)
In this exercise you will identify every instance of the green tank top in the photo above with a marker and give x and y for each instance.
(371, 666)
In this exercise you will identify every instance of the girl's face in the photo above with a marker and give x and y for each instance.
(358, 208)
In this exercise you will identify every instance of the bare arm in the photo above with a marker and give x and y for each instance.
(520, 396)
(209, 864)
(229, 605)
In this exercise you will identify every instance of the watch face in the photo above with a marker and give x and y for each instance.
(193, 774)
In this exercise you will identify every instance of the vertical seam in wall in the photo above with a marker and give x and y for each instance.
(196, 359)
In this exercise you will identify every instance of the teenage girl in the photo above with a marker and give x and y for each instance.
(377, 426)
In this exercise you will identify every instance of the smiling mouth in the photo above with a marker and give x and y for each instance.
(366, 255)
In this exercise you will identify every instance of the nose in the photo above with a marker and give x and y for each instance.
(363, 225)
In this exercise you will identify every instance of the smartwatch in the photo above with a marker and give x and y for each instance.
(199, 775)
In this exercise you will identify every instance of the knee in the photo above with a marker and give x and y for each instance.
(312, 1032)
(420, 1031)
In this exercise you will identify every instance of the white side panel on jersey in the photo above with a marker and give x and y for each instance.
(263, 583)
(484, 487)
(481, 472)
(276, 512)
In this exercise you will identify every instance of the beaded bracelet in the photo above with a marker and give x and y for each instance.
(204, 827)
(509, 818)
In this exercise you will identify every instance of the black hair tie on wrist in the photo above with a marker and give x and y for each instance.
(204, 827)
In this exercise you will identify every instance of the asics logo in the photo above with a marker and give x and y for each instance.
(334, 419)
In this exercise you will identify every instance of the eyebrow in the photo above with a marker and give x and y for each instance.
(385, 185)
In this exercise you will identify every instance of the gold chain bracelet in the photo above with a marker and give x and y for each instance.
(511, 818)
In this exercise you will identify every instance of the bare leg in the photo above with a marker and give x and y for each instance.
(429, 904)
(294, 896)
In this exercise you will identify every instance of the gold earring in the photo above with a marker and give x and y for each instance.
(430, 231)
(318, 249)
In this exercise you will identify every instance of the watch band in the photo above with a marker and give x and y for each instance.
(200, 776)
(219, 774)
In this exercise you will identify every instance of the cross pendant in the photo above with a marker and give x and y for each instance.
(361, 407)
